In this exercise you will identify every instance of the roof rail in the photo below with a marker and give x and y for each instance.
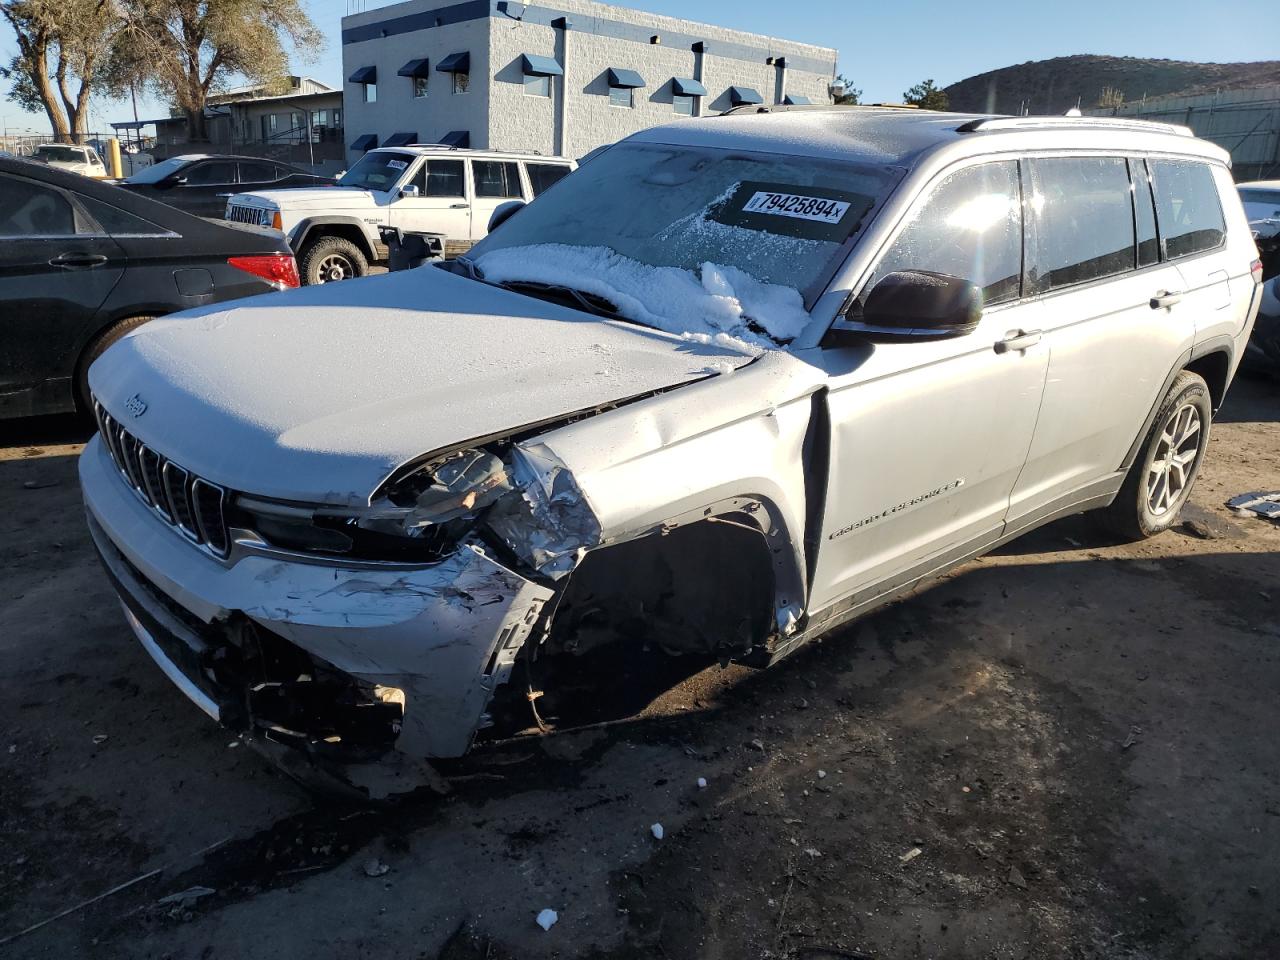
(993, 124)
(803, 107)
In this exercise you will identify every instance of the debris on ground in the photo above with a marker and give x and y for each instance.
(1132, 738)
(547, 918)
(1204, 524)
(1265, 505)
(757, 745)
(702, 783)
(373, 867)
(656, 830)
(185, 898)
(911, 855)
(100, 739)
(1017, 879)
(39, 485)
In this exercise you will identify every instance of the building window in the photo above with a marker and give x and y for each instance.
(621, 97)
(419, 87)
(370, 92)
(683, 105)
(461, 81)
(536, 85)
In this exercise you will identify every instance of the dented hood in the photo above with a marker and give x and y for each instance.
(319, 394)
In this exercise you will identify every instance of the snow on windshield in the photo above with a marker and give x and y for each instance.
(718, 299)
(690, 240)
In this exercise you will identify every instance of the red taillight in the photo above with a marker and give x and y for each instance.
(1256, 269)
(277, 268)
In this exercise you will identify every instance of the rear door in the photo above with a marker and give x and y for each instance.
(1193, 235)
(207, 186)
(496, 182)
(1108, 308)
(257, 175)
(57, 269)
(441, 205)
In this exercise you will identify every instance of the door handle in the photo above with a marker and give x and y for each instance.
(1165, 298)
(1018, 340)
(459, 206)
(77, 260)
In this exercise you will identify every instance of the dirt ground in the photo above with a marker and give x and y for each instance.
(1066, 749)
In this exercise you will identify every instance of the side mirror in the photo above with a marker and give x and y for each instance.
(920, 303)
(503, 213)
(174, 180)
(409, 191)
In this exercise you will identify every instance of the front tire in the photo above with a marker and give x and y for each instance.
(96, 348)
(1161, 477)
(330, 259)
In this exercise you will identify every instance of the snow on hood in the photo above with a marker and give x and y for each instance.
(307, 198)
(318, 394)
(724, 301)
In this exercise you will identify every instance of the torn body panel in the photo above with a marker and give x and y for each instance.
(445, 634)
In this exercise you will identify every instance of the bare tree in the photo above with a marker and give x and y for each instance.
(189, 48)
(62, 46)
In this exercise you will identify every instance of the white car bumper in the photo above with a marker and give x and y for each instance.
(437, 639)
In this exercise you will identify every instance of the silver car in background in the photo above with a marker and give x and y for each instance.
(734, 382)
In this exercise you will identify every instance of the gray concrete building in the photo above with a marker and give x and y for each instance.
(494, 74)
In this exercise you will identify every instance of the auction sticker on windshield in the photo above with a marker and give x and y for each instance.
(793, 210)
(796, 205)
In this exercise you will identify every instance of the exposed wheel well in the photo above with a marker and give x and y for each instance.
(347, 231)
(1214, 368)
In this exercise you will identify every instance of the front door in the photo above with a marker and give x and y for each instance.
(441, 206)
(205, 188)
(928, 437)
(55, 273)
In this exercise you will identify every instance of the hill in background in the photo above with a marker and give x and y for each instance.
(1053, 86)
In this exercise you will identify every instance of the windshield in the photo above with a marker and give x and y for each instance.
(61, 154)
(157, 172)
(692, 241)
(377, 171)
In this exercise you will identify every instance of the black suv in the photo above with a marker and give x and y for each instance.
(201, 184)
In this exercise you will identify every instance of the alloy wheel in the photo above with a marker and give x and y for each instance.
(1173, 466)
(335, 267)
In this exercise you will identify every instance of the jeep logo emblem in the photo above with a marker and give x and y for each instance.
(136, 405)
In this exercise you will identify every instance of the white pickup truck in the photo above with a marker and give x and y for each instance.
(334, 230)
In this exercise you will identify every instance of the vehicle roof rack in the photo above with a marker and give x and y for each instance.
(993, 124)
(811, 107)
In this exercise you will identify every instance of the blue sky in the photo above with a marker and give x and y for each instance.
(887, 47)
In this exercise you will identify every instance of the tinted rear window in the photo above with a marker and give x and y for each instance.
(1188, 208)
(544, 175)
(1264, 197)
(29, 209)
(1084, 220)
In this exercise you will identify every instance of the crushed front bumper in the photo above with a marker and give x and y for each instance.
(441, 638)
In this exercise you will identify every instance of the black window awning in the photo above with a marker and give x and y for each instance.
(401, 138)
(740, 96)
(455, 63)
(456, 138)
(415, 68)
(364, 75)
(626, 79)
(365, 141)
(684, 87)
(796, 100)
(536, 66)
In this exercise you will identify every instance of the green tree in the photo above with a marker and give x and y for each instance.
(63, 46)
(926, 96)
(851, 95)
(189, 48)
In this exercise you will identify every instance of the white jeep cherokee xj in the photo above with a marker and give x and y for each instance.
(734, 382)
(334, 230)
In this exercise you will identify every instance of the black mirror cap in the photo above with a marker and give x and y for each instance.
(923, 302)
(503, 213)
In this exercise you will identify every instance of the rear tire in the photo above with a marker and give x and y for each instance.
(1167, 465)
(329, 259)
(84, 403)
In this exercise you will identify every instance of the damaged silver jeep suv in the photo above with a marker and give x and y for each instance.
(732, 383)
